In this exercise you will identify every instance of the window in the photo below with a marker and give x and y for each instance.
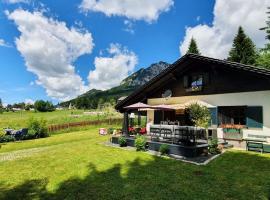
(196, 81)
(232, 115)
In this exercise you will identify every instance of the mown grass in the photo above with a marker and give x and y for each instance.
(20, 119)
(78, 165)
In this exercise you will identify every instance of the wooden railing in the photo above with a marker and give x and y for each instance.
(58, 127)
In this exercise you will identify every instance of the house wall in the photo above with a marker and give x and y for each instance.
(259, 98)
(220, 80)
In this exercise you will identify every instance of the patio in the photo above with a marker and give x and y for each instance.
(182, 139)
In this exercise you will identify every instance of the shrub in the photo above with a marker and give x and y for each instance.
(140, 143)
(164, 149)
(122, 141)
(199, 115)
(213, 146)
(110, 130)
(37, 129)
(6, 138)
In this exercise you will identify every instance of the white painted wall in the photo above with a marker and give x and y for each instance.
(260, 98)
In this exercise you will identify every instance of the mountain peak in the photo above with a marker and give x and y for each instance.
(144, 75)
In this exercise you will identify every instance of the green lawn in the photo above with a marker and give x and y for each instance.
(78, 165)
(19, 119)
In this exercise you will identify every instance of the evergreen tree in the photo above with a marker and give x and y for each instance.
(1, 107)
(267, 31)
(243, 49)
(193, 48)
(263, 59)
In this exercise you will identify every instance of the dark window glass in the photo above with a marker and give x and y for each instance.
(232, 115)
(196, 81)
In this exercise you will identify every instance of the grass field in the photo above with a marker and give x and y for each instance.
(19, 119)
(78, 165)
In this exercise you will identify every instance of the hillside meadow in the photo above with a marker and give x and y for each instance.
(19, 119)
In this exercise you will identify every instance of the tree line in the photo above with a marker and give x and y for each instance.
(39, 105)
(243, 48)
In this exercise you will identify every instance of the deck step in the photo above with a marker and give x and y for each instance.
(227, 146)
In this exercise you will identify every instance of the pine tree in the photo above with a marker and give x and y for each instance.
(263, 59)
(1, 107)
(243, 49)
(267, 31)
(193, 48)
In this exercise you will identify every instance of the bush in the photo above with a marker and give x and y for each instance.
(164, 149)
(37, 129)
(6, 138)
(122, 141)
(199, 115)
(110, 130)
(213, 146)
(140, 143)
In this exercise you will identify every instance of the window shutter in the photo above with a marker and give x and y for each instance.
(206, 79)
(255, 117)
(185, 81)
(213, 112)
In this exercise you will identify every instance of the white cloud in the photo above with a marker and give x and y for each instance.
(3, 43)
(148, 10)
(29, 101)
(16, 1)
(50, 48)
(216, 40)
(129, 26)
(110, 71)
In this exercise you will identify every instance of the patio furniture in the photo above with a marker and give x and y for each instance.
(18, 135)
(8, 131)
(254, 146)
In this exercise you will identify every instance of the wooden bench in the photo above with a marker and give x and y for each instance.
(254, 146)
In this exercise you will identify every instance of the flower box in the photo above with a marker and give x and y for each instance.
(232, 131)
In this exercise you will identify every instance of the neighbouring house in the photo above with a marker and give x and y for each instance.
(237, 95)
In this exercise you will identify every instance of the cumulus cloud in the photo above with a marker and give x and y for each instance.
(216, 40)
(49, 49)
(148, 10)
(111, 70)
(3, 43)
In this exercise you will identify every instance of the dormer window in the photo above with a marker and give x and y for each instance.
(195, 82)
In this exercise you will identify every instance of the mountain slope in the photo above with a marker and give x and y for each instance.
(142, 76)
(93, 97)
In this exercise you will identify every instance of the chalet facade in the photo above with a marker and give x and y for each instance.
(235, 94)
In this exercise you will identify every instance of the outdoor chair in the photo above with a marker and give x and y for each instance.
(166, 134)
(154, 133)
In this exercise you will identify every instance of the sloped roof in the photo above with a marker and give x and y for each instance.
(192, 57)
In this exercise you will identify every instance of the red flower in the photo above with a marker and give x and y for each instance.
(143, 131)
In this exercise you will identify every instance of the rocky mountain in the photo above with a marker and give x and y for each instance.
(93, 98)
(144, 75)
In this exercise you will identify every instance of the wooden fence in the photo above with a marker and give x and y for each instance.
(58, 127)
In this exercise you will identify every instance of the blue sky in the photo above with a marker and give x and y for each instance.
(132, 40)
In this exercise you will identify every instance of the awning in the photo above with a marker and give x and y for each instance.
(163, 107)
(143, 107)
(138, 105)
(188, 103)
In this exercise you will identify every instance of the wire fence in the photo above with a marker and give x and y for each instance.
(58, 127)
